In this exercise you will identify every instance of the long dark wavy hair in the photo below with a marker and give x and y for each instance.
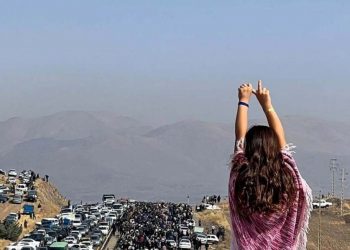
(263, 183)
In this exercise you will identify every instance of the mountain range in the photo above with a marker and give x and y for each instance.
(88, 153)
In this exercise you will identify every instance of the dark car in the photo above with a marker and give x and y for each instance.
(96, 239)
(63, 233)
(3, 198)
(37, 237)
(52, 233)
(10, 220)
(32, 195)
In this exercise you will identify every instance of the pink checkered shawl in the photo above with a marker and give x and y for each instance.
(282, 230)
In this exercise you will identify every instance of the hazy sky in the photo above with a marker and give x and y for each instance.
(164, 61)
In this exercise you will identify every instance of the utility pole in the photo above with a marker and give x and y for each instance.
(333, 167)
(343, 173)
(319, 223)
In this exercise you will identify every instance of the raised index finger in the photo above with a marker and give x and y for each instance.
(259, 85)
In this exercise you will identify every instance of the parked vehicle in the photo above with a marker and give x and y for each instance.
(19, 192)
(210, 206)
(4, 189)
(76, 234)
(28, 209)
(32, 195)
(59, 246)
(2, 172)
(11, 218)
(212, 239)
(17, 199)
(88, 244)
(71, 240)
(12, 173)
(49, 222)
(185, 244)
(96, 239)
(202, 238)
(76, 222)
(3, 198)
(321, 203)
(22, 187)
(30, 242)
(104, 229)
(78, 247)
(184, 230)
(37, 237)
(19, 246)
(171, 244)
(11, 180)
(109, 197)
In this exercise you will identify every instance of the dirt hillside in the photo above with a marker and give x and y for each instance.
(335, 232)
(50, 200)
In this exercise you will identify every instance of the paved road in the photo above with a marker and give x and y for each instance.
(111, 243)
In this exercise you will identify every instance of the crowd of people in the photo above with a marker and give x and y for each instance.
(212, 199)
(149, 225)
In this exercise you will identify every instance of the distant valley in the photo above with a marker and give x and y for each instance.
(89, 153)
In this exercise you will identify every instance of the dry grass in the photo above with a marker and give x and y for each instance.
(48, 197)
(217, 218)
(335, 232)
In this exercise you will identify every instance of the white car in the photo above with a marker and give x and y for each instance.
(184, 230)
(18, 246)
(78, 247)
(321, 203)
(11, 180)
(88, 244)
(30, 242)
(212, 239)
(109, 202)
(76, 233)
(76, 222)
(185, 244)
(210, 207)
(12, 173)
(171, 243)
(19, 192)
(202, 238)
(71, 240)
(104, 229)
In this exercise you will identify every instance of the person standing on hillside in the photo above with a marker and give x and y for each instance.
(269, 201)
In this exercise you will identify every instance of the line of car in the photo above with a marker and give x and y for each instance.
(82, 227)
(18, 187)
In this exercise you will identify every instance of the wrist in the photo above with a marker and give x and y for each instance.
(245, 104)
(244, 99)
(268, 108)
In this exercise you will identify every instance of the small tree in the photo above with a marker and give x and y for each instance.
(10, 231)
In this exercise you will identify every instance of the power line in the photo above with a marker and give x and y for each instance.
(343, 173)
(333, 167)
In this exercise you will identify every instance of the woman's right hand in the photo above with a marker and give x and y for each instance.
(244, 92)
(263, 96)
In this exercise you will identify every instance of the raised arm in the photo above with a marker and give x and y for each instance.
(264, 98)
(244, 93)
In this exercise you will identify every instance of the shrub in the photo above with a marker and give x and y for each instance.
(10, 231)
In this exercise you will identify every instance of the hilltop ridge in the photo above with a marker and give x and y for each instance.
(50, 201)
(189, 157)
